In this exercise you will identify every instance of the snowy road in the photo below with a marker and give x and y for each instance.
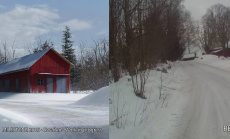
(208, 107)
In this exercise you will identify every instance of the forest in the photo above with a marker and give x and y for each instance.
(144, 33)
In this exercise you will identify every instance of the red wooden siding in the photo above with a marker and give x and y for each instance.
(24, 81)
(49, 63)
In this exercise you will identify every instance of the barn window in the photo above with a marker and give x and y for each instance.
(40, 82)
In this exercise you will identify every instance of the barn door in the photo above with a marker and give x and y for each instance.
(17, 85)
(7, 86)
(1, 89)
(49, 85)
(61, 85)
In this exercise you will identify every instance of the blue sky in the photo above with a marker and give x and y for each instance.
(27, 21)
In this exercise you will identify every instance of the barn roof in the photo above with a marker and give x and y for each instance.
(24, 63)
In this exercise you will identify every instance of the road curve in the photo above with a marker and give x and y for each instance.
(208, 106)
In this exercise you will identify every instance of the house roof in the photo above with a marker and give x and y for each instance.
(217, 48)
(24, 63)
(216, 51)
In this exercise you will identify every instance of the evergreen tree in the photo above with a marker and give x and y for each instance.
(35, 50)
(68, 53)
(67, 50)
(45, 45)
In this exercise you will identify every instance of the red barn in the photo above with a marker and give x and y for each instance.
(44, 71)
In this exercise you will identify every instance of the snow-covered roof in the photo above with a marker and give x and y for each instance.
(217, 48)
(189, 55)
(22, 63)
(216, 51)
(26, 62)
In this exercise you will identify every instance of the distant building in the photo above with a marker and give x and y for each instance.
(44, 71)
(218, 51)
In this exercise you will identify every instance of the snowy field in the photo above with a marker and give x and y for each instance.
(55, 116)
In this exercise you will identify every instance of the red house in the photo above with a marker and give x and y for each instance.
(221, 52)
(44, 71)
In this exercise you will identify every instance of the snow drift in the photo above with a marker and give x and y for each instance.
(41, 98)
(98, 98)
(14, 117)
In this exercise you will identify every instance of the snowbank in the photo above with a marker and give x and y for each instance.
(14, 117)
(42, 98)
(82, 92)
(98, 98)
(132, 117)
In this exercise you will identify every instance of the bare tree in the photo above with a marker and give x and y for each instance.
(94, 65)
(139, 80)
(13, 49)
(30, 48)
(143, 33)
(189, 33)
(216, 27)
(114, 37)
(5, 57)
(199, 36)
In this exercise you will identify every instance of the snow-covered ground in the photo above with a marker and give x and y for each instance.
(135, 118)
(54, 111)
(214, 61)
(207, 109)
(96, 99)
(195, 107)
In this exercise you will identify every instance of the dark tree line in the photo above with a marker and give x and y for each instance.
(145, 32)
